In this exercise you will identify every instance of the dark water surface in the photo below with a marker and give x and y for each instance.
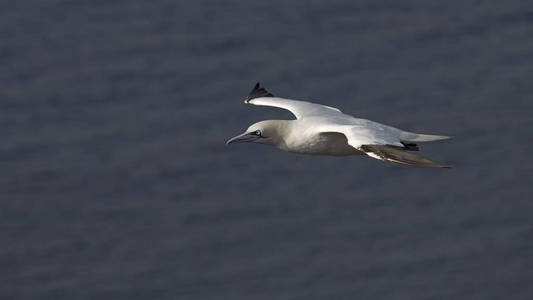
(116, 184)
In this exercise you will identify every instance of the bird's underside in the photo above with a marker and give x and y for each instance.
(336, 144)
(324, 130)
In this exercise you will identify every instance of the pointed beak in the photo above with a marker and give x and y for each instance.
(245, 137)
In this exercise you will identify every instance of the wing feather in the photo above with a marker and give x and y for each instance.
(394, 155)
(260, 96)
(300, 109)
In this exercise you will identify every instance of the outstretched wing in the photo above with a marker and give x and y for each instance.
(380, 142)
(395, 155)
(300, 109)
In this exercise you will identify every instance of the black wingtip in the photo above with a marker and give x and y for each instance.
(257, 92)
(410, 146)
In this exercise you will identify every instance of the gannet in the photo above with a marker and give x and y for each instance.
(325, 130)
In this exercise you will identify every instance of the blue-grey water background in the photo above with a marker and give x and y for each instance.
(115, 181)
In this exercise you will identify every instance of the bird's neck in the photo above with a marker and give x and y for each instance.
(278, 133)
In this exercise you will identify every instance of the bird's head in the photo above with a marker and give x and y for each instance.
(265, 132)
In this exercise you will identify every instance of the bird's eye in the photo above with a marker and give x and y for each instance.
(258, 132)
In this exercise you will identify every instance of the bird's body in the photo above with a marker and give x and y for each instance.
(299, 136)
(324, 130)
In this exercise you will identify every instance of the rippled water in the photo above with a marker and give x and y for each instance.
(116, 183)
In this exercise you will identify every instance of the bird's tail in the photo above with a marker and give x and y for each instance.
(406, 136)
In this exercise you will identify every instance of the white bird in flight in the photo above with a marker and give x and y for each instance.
(324, 130)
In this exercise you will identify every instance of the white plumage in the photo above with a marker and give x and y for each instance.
(324, 130)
